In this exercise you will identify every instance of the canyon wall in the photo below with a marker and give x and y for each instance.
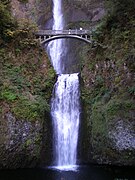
(107, 88)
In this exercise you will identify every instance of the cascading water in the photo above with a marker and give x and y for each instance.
(65, 106)
(65, 112)
(57, 48)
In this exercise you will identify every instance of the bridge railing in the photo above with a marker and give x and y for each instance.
(64, 32)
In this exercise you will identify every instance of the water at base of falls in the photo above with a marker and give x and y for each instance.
(83, 173)
(65, 111)
(64, 168)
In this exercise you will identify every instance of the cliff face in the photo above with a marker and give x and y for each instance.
(40, 12)
(94, 10)
(26, 83)
(25, 91)
(108, 92)
(20, 142)
(109, 111)
(36, 12)
(27, 78)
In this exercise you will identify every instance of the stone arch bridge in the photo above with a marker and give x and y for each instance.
(46, 36)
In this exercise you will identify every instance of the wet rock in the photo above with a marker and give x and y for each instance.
(20, 142)
(123, 135)
(93, 10)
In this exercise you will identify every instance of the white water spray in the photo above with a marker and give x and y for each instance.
(65, 105)
(66, 112)
(57, 48)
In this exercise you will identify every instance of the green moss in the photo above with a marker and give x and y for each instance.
(32, 110)
(27, 78)
(104, 112)
(24, 85)
(29, 99)
(118, 108)
(98, 120)
(102, 117)
(108, 81)
(131, 90)
(28, 142)
(8, 95)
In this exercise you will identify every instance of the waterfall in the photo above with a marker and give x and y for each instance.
(65, 113)
(65, 105)
(55, 48)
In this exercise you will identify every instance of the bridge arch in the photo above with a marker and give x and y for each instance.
(47, 40)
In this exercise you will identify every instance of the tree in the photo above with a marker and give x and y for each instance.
(7, 22)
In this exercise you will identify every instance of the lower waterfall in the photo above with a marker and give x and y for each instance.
(65, 111)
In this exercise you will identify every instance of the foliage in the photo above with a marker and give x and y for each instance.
(118, 108)
(118, 13)
(132, 90)
(8, 95)
(24, 86)
(26, 77)
(104, 115)
(18, 32)
(27, 109)
(7, 23)
(108, 74)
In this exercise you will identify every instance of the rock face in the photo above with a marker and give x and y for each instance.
(20, 142)
(116, 146)
(88, 10)
(123, 135)
(40, 13)
(36, 12)
(108, 122)
(107, 133)
(26, 84)
(79, 15)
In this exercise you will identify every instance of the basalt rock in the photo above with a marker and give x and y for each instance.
(20, 142)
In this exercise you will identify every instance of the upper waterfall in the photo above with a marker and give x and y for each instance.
(57, 48)
(58, 19)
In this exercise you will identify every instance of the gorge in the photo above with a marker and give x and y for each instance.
(106, 129)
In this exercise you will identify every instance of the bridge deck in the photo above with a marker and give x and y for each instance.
(63, 32)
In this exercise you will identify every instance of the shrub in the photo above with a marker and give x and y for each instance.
(7, 23)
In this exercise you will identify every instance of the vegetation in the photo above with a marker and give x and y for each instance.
(26, 76)
(113, 63)
(7, 23)
(108, 75)
(120, 13)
